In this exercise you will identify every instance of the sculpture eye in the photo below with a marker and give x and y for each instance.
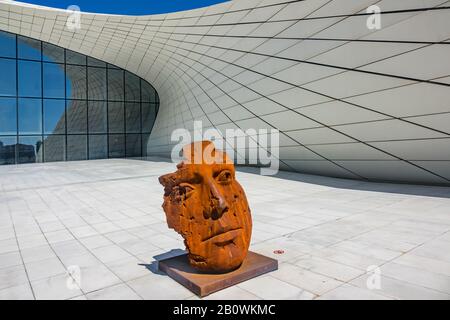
(225, 177)
(186, 189)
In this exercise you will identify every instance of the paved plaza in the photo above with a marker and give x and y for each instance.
(102, 222)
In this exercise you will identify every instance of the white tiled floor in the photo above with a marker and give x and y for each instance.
(105, 217)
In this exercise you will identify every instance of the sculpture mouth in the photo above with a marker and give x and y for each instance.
(224, 237)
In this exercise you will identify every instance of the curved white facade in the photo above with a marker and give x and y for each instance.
(349, 101)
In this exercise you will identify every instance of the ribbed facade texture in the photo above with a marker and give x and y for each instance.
(349, 101)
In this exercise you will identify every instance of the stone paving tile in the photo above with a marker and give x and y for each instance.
(55, 288)
(12, 276)
(159, 287)
(20, 292)
(400, 289)
(37, 253)
(328, 268)
(44, 269)
(350, 292)
(268, 287)
(10, 259)
(105, 217)
(313, 282)
(117, 292)
(129, 268)
(96, 277)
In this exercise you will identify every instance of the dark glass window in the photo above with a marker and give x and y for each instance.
(95, 62)
(148, 92)
(76, 117)
(97, 83)
(115, 85)
(8, 116)
(58, 105)
(76, 147)
(133, 144)
(98, 117)
(144, 140)
(133, 117)
(76, 82)
(132, 87)
(116, 145)
(55, 148)
(30, 79)
(148, 117)
(28, 48)
(98, 146)
(7, 45)
(111, 66)
(7, 77)
(73, 57)
(8, 150)
(30, 116)
(52, 53)
(54, 116)
(116, 116)
(29, 149)
(54, 80)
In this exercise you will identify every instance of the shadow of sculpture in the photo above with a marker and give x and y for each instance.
(153, 266)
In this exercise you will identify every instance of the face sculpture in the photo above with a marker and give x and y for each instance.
(206, 205)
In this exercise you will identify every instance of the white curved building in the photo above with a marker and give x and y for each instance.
(349, 101)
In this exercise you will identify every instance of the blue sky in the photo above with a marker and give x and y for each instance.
(131, 7)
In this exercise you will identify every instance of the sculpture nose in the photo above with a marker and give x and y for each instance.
(219, 204)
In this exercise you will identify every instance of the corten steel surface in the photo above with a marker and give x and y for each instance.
(203, 284)
(206, 205)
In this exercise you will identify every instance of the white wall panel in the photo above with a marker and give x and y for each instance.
(350, 102)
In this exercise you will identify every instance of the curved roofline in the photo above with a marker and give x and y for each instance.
(41, 7)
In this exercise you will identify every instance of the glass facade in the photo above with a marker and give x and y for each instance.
(59, 105)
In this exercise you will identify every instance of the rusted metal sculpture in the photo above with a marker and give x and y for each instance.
(206, 205)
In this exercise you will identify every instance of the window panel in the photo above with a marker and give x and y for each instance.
(98, 146)
(148, 93)
(116, 145)
(52, 53)
(133, 117)
(111, 66)
(8, 77)
(116, 116)
(97, 83)
(54, 148)
(73, 57)
(98, 117)
(8, 150)
(7, 45)
(95, 62)
(76, 147)
(8, 116)
(30, 116)
(76, 117)
(28, 48)
(115, 85)
(144, 141)
(148, 117)
(29, 149)
(133, 144)
(54, 80)
(54, 116)
(86, 108)
(132, 87)
(76, 82)
(30, 79)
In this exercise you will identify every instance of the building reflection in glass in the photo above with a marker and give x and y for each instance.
(59, 105)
